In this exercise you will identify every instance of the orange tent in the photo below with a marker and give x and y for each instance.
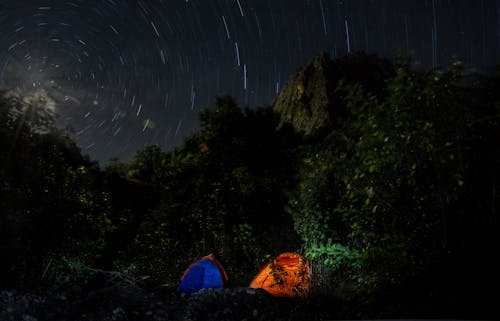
(286, 276)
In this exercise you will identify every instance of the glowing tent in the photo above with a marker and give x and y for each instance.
(207, 272)
(287, 276)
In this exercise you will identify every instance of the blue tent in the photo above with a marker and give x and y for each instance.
(207, 272)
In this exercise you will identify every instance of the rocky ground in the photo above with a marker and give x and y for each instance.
(126, 301)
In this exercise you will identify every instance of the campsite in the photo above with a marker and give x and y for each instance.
(287, 213)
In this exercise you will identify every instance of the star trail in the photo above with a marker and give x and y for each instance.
(123, 74)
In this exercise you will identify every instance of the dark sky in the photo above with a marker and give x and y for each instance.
(126, 73)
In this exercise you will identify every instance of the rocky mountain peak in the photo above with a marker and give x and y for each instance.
(309, 102)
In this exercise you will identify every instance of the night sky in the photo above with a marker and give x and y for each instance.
(127, 73)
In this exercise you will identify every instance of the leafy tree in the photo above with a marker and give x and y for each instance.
(403, 174)
(145, 163)
(115, 166)
(223, 192)
(385, 190)
(51, 202)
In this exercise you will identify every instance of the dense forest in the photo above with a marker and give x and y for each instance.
(382, 175)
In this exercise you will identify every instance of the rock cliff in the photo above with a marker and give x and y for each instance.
(310, 102)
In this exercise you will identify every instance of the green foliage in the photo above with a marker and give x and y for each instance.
(332, 263)
(51, 207)
(157, 249)
(311, 207)
(145, 162)
(333, 255)
(223, 194)
(115, 166)
(404, 183)
(66, 270)
(384, 195)
(403, 171)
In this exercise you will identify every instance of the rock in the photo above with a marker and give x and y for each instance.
(118, 313)
(28, 317)
(118, 303)
(309, 101)
(305, 100)
(251, 291)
